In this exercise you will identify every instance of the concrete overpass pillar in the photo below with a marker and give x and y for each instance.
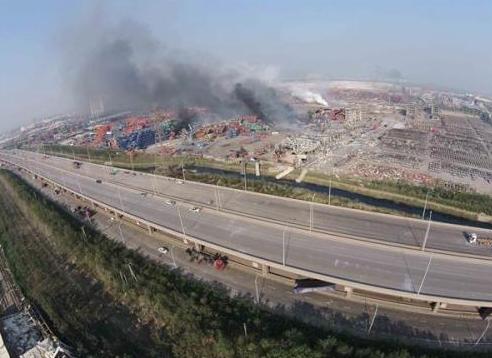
(348, 291)
(265, 270)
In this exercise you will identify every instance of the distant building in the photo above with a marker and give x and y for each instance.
(96, 108)
(434, 110)
(411, 111)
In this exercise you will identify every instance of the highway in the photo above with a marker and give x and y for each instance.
(374, 266)
(327, 219)
(273, 292)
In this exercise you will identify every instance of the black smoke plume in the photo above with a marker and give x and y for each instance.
(127, 69)
(264, 102)
(247, 96)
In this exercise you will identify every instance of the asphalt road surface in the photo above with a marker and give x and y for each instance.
(329, 219)
(335, 312)
(376, 265)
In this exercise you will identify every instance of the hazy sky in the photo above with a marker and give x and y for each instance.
(428, 41)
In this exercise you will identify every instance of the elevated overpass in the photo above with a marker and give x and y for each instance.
(392, 270)
(342, 222)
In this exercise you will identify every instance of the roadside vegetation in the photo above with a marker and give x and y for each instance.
(266, 186)
(34, 234)
(107, 300)
(460, 204)
(474, 202)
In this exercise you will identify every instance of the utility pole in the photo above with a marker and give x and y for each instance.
(172, 256)
(153, 185)
(88, 155)
(257, 290)
(283, 247)
(131, 160)
(64, 182)
(373, 319)
(86, 167)
(218, 196)
(181, 222)
(121, 201)
(427, 231)
(425, 205)
(329, 194)
(425, 275)
(483, 333)
(132, 273)
(245, 184)
(80, 188)
(121, 232)
(182, 170)
(110, 160)
(311, 213)
(217, 204)
(83, 232)
(153, 176)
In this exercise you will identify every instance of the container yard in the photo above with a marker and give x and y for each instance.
(355, 129)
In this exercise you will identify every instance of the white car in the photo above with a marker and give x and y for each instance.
(170, 202)
(179, 181)
(472, 238)
(163, 250)
(195, 209)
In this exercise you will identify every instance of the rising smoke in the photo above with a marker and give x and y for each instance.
(126, 68)
(310, 97)
(264, 102)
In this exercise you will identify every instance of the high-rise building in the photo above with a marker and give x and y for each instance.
(434, 110)
(96, 107)
(411, 111)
